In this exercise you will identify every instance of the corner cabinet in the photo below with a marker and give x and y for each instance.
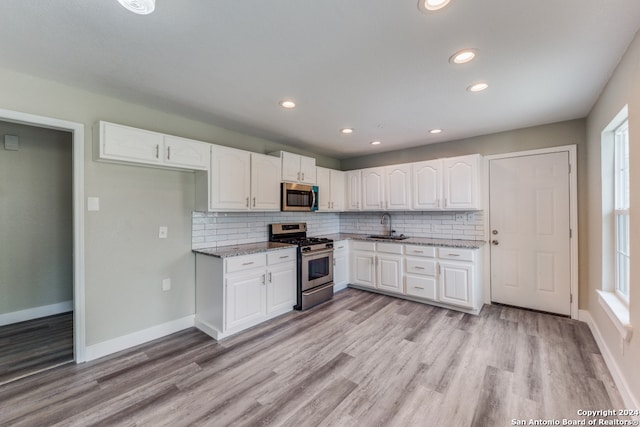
(124, 144)
(235, 293)
(340, 265)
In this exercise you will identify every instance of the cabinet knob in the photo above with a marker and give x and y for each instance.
(495, 242)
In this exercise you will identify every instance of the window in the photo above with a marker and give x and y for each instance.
(621, 211)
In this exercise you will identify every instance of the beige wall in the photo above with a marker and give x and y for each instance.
(125, 260)
(623, 88)
(36, 252)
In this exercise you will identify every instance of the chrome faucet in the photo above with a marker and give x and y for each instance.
(386, 214)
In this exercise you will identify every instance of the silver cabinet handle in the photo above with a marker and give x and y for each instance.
(453, 254)
(247, 263)
(445, 202)
(284, 257)
(418, 287)
(419, 268)
(169, 153)
(303, 176)
(418, 252)
(269, 277)
(247, 202)
(157, 151)
(298, 176)
(264, 279)
(254, 202)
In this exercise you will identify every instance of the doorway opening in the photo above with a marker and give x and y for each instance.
(41, 259)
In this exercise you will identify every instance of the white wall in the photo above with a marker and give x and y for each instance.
(623, 88)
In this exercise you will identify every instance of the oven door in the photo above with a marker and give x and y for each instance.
(317, 269)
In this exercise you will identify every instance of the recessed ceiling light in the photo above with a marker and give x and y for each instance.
(346, 131)
(434, 131)
(463, 56)
(141, 7)
(376, 142)
(287, 103)
(431, 5)
(478, 87)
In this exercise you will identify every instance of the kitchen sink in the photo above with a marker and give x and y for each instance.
(387, 237)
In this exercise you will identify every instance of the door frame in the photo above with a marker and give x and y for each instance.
(573, 216)
(77, 136)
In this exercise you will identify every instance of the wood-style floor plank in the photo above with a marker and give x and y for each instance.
(361, 359)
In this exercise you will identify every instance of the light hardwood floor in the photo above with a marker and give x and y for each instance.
(35, 345)
(362, 359)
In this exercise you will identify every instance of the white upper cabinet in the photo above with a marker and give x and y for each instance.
(373, 189)
(427, 185)
(297, 168)
(265, 182)
(330, 189)
(230, 179)
(461, 182)
(127, 144)
(397, 187)
(353, 187)
(186, 153)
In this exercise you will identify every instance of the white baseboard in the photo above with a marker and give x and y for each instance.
(124, 342)
(35, 312)
(629, 399)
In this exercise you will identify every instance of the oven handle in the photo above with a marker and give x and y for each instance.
(319, 289)
(321, 251)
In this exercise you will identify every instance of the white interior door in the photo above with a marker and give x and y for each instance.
(530, 226)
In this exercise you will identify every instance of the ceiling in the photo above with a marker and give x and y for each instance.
(379, 66)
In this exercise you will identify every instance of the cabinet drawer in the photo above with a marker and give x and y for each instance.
(422, 287)
(359, 245)
(340, 245)
(277, 257)
(389, 248)
(240, 263)
(424, 251)
(455, 253)
(421, 266)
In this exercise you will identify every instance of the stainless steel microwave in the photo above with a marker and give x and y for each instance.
(299, 197)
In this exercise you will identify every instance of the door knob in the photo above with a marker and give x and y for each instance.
(495, 242)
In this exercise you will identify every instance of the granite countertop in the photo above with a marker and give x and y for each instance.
(246, 249)
(423, 241)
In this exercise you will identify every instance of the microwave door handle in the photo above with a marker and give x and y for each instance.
(313, 199)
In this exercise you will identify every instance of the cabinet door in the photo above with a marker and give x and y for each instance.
(398, 187)
(265, 182)
(290, 167)
(390, 273)
(281, 287)
(427, 185)
(244, 300)
(307, 170)
(373, 189)
(323, 176)
(353, 190)
(130, 144)
(362, 269)
(186, 153)
(230, 179)
(340, 270)
(337, 190)
(461, 182)
(456, 281)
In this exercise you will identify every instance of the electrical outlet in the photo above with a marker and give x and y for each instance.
(166, 284)
(163, 232)
(460, 217)
(471, 216)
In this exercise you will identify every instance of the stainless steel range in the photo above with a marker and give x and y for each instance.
(315, 263)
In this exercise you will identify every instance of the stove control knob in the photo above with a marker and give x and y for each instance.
(307, 249)
(329, 245)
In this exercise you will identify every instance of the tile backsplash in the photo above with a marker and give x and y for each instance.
(212, 229)
(442, 225)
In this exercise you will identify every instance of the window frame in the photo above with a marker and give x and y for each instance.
(621, 210)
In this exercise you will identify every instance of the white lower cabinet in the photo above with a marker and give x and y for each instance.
(340, 265)
(235, 293)
(448, 277)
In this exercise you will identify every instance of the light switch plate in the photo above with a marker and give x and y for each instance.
(163, 232)
(11, 142)
(93, 204)
(166, 284)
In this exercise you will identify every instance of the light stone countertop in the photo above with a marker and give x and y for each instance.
(422, 241)
(245, 249)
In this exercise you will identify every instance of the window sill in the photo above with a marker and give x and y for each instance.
(618, 312)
